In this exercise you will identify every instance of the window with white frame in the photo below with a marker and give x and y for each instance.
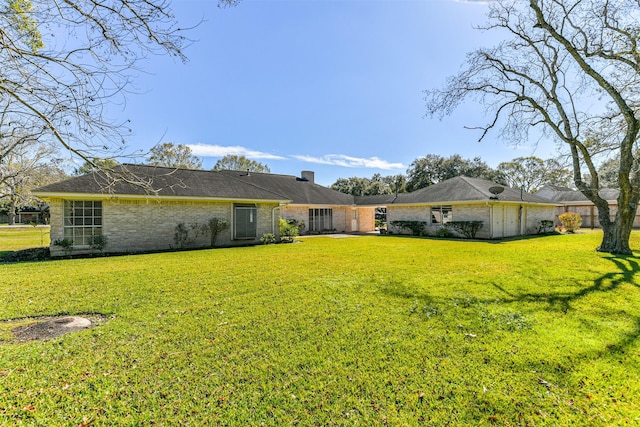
(245, 222)
(320, 219)
(82, 221)
(440, 214)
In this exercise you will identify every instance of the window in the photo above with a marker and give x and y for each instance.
(245, 222)
(440, 214)
(82, 221)
(320, 219)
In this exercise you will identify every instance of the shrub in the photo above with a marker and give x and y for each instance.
(546, 226)
(416, 227)
(288, 230)
(571, 221)
(65, 244)
(181, 235)
(217, 226)
(468, 229)
(268, 239)
(444, 232)
(98, 242)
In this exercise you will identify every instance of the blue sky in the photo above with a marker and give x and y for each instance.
(333, 86)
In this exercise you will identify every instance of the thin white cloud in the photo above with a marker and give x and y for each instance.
(207, 150)
(350, 162)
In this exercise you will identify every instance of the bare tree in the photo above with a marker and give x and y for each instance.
(26, 167)
(571, 67)
(65, 61)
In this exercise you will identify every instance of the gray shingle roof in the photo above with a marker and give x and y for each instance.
(566, 195)
(165, 182)
(375, 200)
(465, 189)
(300, 192)
(240, 185)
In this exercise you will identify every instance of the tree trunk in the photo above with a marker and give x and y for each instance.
(616, 234)
(12, 211)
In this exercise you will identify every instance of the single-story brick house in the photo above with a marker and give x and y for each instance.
(504, 211)
(319, 208)
(568, 200)
(134, 219)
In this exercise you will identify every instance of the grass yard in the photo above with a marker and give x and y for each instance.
(348, 332)
(13, 239)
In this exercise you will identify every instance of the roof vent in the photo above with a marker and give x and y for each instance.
(302, 178)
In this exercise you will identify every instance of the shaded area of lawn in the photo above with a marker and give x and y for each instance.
(362, 331)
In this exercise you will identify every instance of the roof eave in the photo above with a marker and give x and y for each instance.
(152, 197)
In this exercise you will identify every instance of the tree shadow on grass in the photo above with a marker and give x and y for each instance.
(627, 271)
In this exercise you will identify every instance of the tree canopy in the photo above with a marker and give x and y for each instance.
(64, 62)
(375, 185)
(570, 68)
(173, 156)
(432, 169)
(532, 173)
(240, 163)
(95, 164)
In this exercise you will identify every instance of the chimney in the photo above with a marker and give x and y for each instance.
(309, 175)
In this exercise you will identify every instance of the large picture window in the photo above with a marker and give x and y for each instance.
(440, 214)
(245, 220)
(82, 221)
(320, 219)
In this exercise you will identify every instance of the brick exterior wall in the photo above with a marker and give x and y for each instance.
(366, 219)
(531, 217)
(535, 214)
(150, 225)
(341, 215)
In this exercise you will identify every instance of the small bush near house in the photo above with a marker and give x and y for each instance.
(65, 244)
(571, 221)
(217, 226)
(186, 236)
(99, 242)
(268, 239)
(444, 232)
(469, 229)
(288, 230)
(417, 228)
(546, 226)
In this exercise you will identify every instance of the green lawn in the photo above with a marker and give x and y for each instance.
(13, 239)
(348, 332)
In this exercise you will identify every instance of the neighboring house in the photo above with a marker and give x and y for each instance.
(505, 212)
(568, 200)
(27, 215)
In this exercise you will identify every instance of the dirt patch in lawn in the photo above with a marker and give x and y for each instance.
(44, 328)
